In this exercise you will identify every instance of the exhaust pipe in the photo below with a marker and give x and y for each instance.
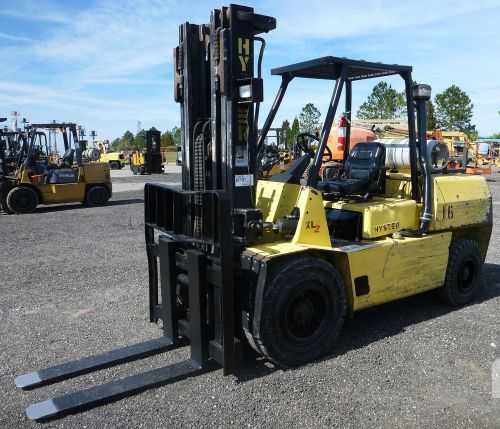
(421, 94)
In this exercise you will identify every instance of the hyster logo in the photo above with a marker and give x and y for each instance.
(391, 226)
(310, 225)
(243, 53)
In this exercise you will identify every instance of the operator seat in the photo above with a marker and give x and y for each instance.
(364, 172)
(64, 173)
(68, 158)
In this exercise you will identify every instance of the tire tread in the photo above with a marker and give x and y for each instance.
(280, 273)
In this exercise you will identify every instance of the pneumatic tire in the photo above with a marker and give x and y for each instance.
(303, 311)
(97, 196)
(22, 200)
(114, 165)
(463, 273)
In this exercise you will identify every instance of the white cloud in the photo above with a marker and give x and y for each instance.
(10, 37)
(331, 19)
(36, 11)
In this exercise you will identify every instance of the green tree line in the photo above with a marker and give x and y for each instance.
(451, 109)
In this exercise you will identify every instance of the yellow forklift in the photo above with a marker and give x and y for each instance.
(38, 180)
(275, 156)
(115, 159)
(148, 160)
(275, 265)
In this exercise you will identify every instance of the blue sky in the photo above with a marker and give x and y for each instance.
(108, 64)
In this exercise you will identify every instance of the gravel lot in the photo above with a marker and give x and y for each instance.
(74, 283)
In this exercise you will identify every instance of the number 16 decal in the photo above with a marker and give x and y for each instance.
(448, 212)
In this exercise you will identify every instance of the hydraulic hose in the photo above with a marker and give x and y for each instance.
(259, 75)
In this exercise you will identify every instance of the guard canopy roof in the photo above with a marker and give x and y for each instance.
(330, 68)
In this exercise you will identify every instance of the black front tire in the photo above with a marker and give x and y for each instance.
(303, 311)
(97, 196)
(22, 200)
(463, 274)
(114, 165)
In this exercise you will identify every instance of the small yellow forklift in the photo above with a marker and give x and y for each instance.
(276, 265)
(38, 180)
(148, 160)
(275, 156)
(115, 159)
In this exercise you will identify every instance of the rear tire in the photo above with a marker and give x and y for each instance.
(22, 200)
(114, 165)
(303, 311)
(463, 274)
(97, 196)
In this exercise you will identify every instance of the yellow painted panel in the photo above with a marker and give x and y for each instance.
(382, 216)
(137, 158)
(280, 248)
(111, 156)
(275, 199)
(312, 227)
(400, 268)
(63, 193)
(398, 185)
(460, 200)
(95, 172)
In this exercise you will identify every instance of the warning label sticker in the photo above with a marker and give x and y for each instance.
(243, 180)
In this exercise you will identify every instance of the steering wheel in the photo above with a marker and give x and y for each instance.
(300, 141)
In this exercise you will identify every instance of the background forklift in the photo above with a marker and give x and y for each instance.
(273, 264)
(115, 159)
(148, 160)
(13, 145)
(275, 156)
(37, 180)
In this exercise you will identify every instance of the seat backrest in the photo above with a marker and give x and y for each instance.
(365, 161)
(68, 157)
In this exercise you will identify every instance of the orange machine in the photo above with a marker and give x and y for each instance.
(358, 134)
(332, 164)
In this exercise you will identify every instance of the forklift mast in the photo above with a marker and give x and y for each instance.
(63, 127)
(152, 154)
(218, 92)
